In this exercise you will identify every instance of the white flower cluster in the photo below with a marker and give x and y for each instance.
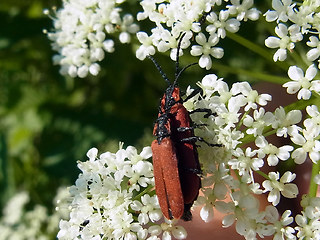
(294, 24)
(83, 32)
(308, 222)
(37, 223)
(240, 118)
(172, 18)
(294, 21)
(114, 198)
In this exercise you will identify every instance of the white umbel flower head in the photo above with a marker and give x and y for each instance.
(83, 32)
(111, 198)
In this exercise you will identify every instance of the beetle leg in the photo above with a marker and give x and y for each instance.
(205, 110)
(183, 129)
(195, 92)
(187, 216)
(195, 125)
(195, 138)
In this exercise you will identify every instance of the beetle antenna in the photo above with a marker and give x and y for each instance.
(164, 76)
(182, 70)
(177, 57)
(179, 72)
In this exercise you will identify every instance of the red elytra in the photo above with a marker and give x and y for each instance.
(186, 151)
(175, 161)
(166, 176)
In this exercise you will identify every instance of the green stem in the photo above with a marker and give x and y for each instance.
(143, 192)
(255, 75)
(257, 49)
(302, 104)
(242, 118)
(262, 174)
(298, 60)
(316, 100)
(313, 186)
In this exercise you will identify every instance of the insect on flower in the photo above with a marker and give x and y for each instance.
(175, 158)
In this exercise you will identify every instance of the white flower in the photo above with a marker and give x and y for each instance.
(173, 18)
(208, 202)
(307, 228)
(281, 8)
(246, 163)
(127, 27)
(92, 154)
(67, 230)
(211, 83)
(164, 40)
(282, 230)
(220, 178)
(61, 201)
(180, 16)
(285, 123)
(94, 69)
(314, 121)
(148, 8)
(258, 122)
(309, 145)
(168, 228)
(314, 52)
(317, 179)
(148, 208)
(311, 207)
(146, 48)
(228, 116)
(252, 96)
(283, 41)
(243, 10)
(313, 112)
(275, 187)
(303, 16)
(274, 153)
(221, 24)
(302, 83)
(108, 45)
(245, 210)
(205, 49)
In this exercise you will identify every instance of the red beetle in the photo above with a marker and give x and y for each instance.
(175, 158)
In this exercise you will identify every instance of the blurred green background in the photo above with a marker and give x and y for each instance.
(48, 122)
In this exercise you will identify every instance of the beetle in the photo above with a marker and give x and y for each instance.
(175, 158)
